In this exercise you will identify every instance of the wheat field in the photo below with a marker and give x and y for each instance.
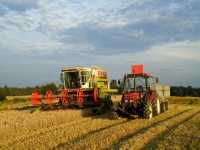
(178, 128)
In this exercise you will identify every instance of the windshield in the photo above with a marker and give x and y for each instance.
(75, 79)
(85, 76)
(135, 84)
(138, 83)
(71, 79)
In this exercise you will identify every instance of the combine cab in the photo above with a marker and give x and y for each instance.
(83, 86)
(141, 95)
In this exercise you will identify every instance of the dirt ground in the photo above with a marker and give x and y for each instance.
(178, 128)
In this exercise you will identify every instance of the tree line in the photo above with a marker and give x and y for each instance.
(185, 91)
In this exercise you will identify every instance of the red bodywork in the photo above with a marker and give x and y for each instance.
(49, 97)
(135, 97)
(78, 96)
(137, 69)
(35, 98)
(131, 97)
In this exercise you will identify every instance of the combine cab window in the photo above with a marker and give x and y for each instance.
(85, 75)
(72, 80)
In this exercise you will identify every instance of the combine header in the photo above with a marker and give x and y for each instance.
(141, 95)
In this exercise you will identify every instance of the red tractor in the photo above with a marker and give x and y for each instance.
(141, 95)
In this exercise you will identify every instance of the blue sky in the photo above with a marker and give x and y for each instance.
(38, 37)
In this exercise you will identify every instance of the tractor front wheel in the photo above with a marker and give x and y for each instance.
(148, 111)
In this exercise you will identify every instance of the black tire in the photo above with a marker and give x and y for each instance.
(148, 111)
(162, 107)
(156, 107)
(114, 116)
(166, 106)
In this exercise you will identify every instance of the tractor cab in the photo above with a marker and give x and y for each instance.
(137, 85)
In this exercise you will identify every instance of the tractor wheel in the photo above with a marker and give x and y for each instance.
(148, 111)
(114, 115)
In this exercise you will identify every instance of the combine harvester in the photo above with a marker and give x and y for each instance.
(84, 86)
(142, 95)
(81, 87)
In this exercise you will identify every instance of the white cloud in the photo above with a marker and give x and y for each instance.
(64, 14)
(36, 43)
(19, 5)
(185, 50)
(17, 1)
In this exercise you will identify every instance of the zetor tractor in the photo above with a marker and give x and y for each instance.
(140, 95)
(83, 86)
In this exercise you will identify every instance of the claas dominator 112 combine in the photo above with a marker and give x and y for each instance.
(142, 94)
(81, 86)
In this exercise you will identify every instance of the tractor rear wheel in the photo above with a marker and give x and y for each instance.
(148, 111)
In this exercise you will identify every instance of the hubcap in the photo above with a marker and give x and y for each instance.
(158, 106)
(150, 111)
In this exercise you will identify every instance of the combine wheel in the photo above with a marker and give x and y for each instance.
(148, 111)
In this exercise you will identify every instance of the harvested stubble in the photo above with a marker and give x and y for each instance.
(68, 129)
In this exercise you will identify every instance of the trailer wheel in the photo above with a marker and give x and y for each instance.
(166, 106)
(162, 107)
(148, 111)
